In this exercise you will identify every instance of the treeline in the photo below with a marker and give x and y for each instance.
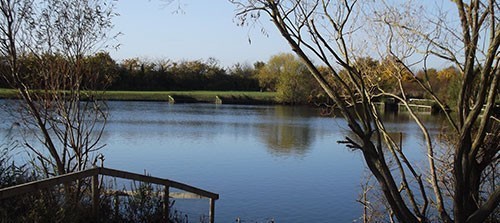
(282, 73)
(390, 76)
(148, 75)
(289, 77)
(166, 75)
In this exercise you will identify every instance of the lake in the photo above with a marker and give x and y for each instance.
(266, 162)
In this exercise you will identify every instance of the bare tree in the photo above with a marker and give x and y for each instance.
(329, 32)
(45, 45)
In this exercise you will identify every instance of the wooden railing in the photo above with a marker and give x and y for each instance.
(416, 108)
(95, 172)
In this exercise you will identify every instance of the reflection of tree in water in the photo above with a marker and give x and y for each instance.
(289, 132)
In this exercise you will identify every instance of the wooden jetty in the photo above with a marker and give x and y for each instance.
(94, 173)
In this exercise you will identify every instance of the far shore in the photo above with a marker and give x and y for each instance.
(224, 97)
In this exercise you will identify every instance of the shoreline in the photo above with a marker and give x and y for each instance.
(217, 97)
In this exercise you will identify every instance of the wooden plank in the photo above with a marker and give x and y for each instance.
(95, 172)
(156, 180)
(194, 190)
(46, 183)
(419, 106)
(415, 108)
(175, 195)
(67, 178)
(185, 195)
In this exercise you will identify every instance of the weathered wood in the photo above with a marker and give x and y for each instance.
(46, 183)
(156, 180)
(95, 196)
(211, 213)
(175, 195)
(117, 204)
(95, 172)
(184, 195)
(166, 204)
(418, 108)
(70, 177)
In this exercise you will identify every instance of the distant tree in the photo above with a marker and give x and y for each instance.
(132, 64)
(241, 77)
(242, 70)
(451, 79)
(104, 68)
(268, 79)
(288, 76)
(259, 64)
(194, 75)
(451, 91)
(143, 74)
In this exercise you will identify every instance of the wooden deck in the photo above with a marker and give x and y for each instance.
(95, 172)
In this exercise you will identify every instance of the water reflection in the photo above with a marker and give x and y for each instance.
(233, 150)
(286, 139)
(290, 134)
(285, 131)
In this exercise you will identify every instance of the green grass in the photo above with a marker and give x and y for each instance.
(8, 93)
(194, 96)
(200, 96)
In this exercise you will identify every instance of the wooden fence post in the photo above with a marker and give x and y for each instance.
(117, 205)
(95, 196)
(211, 213)
(95, 190)
(166, 213)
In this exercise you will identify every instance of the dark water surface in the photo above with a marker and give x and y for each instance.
(266, 162)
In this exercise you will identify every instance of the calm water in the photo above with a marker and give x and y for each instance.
(266, 162)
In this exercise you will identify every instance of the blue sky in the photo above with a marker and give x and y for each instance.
(205, 29)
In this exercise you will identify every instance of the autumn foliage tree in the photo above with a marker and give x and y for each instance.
(288, 76)
(324, 33)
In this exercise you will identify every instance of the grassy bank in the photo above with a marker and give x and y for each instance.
(7, 93)
(193, 96)
(233, 97)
